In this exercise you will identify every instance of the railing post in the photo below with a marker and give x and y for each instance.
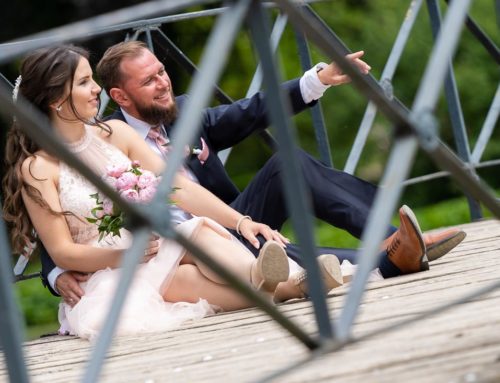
(10, 320)
(293, 182)
(316, 111)
(386, 77)
(454, 108)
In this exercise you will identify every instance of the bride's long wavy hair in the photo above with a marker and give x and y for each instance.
(46, 76)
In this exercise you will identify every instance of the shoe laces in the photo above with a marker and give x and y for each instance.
(393, 246)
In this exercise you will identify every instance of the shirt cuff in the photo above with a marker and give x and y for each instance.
(56, 271)
(311, 87)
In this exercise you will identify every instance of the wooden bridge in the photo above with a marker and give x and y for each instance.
(459, 345)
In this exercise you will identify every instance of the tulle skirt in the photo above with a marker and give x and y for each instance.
(144, 309)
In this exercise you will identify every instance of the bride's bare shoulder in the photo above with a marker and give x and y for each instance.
(40, 166)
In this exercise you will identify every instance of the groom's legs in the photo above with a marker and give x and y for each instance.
(338, 198)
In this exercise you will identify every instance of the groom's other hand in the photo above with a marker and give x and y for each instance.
(67, 284)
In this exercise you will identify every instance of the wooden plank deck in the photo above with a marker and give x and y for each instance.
(460, 345)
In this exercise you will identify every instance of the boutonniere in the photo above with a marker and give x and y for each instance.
(188, 150)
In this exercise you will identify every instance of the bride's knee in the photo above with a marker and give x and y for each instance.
(183, 284)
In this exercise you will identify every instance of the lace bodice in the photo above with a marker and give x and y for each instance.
(75, 190)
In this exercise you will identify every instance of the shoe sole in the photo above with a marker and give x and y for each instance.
(273, 266)
(444, 246)
(330, 271)
(424, 261)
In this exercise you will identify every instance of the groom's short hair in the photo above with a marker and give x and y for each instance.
(109, 67)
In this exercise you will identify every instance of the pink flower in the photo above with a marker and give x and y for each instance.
(136, 164)
(130, 195)
(146, 179)
(147, 194)
(116, 170)
(99, 214)
(126, 181)
(107, 206)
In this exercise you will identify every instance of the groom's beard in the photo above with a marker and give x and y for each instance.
(156, 115)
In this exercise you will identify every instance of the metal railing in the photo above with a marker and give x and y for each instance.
(414, 127)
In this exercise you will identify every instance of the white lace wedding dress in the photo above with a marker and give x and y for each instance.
(144, 310)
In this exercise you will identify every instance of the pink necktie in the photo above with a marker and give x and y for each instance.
(161, 142)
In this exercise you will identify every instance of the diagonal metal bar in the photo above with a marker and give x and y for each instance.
(278, 29)
(386, 78)
(185, 62)
(293, 182)
(317, 32)
(10, 332)
(256, 83)
(36, 123)
(395, 111)
(316, 111)
(174, 52)
(259, 299)
(212, 62)
(401, 159)
(144, 23)
(131, 259)
(84, 29)
(337, 345)
(211, 65)
(387, 197)
(427, 177)
(37, 126)
(454, 108)
(487, 129)
(482, 37)
(6, 81)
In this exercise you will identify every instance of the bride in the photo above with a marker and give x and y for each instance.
(44, 195)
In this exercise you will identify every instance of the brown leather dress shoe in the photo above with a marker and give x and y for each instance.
(439, 244)
(406, 248)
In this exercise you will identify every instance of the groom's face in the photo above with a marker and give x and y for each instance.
(147, 89)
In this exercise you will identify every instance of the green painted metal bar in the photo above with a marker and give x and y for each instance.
(131, 259)
(293, 182)
(11, 334)
(454, 108)
(387, 75)
(212, 61)
(82, 30)
(316, 111)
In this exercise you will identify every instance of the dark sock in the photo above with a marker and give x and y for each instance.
(387, 268)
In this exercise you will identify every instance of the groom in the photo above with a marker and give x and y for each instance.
(137, 81)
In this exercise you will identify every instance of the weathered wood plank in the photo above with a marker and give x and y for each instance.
(460, 345)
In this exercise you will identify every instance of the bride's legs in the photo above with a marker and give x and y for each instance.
(189, 284)
(227, 252)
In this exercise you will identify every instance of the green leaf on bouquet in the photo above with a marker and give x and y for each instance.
(91, 220)
(95, 210)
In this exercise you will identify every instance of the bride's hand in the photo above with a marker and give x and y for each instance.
(250, 229)
(152, 248)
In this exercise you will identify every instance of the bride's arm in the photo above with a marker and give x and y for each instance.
(189, 196)
(52, 229)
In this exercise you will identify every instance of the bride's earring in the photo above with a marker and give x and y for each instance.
(59, 108)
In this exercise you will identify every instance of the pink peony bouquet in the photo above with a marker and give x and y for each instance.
(134, 185)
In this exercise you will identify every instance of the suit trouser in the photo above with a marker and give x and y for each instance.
(338, 198)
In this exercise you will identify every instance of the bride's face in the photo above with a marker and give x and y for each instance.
(84, 94)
